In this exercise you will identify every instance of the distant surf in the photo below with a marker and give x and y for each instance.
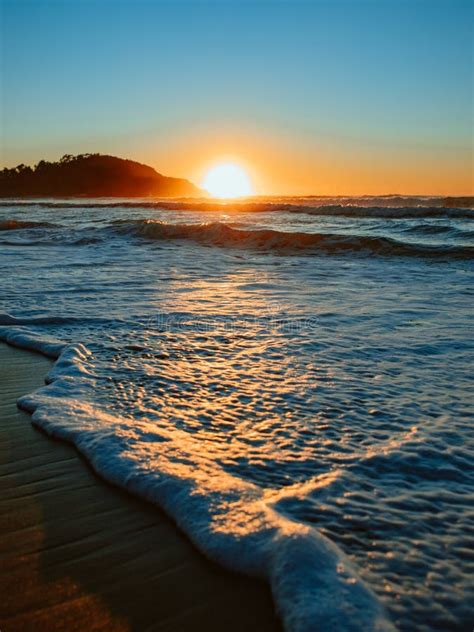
(383, 207)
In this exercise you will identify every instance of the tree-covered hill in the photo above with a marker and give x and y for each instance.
(92, 175)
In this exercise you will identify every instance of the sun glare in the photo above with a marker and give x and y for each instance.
(227, 181)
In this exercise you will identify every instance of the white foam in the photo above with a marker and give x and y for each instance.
(26, 340)
(231, 521)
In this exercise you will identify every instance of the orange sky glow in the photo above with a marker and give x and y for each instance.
(285, 164)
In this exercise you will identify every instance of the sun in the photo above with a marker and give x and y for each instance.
(227, 180)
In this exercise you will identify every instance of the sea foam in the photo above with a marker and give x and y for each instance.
(231, 521)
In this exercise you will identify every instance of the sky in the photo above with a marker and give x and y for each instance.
(310, 97)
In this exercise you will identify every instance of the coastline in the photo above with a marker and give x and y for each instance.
(78, 553)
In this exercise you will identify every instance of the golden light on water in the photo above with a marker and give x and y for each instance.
(227, 180)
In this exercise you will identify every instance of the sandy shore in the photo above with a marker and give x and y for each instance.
(78, 554)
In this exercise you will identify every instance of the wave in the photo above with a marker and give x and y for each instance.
(386, 207)
(389, 212)
(16, 224)
(222, 234)
(440, 229)
(11, 321)
(47, 237)
(228, 235)
(314, 585)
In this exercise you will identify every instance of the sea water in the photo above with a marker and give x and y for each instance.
(288, 378)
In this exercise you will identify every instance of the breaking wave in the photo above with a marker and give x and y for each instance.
(229, 235)
(222, 234)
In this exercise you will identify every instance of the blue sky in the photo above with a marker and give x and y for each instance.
(388, 76)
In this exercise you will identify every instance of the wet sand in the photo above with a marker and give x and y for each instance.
(79, 554)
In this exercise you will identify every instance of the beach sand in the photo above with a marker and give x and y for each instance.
(79, 554)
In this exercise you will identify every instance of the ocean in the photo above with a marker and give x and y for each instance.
(289, 379)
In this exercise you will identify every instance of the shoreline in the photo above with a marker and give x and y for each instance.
(78, 553)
